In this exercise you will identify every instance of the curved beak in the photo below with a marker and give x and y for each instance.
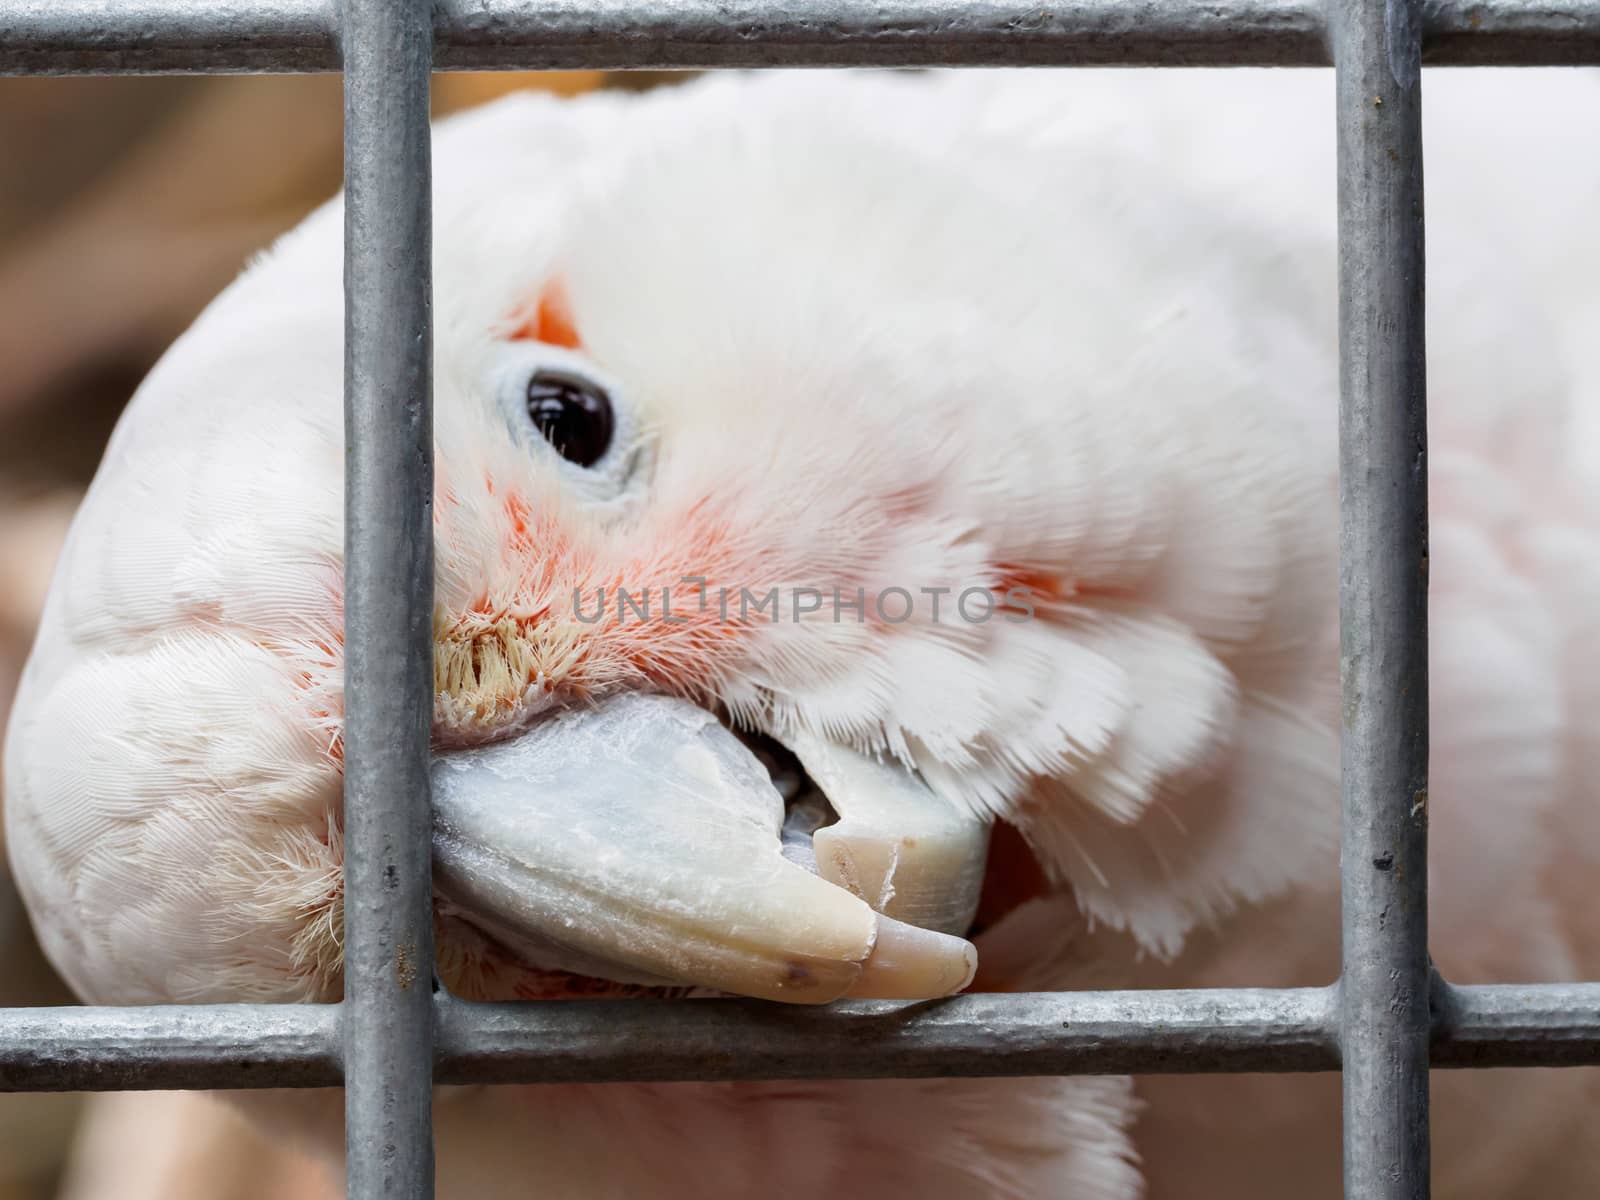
(639, 841)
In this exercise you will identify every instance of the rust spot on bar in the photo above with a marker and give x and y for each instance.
(405, 965)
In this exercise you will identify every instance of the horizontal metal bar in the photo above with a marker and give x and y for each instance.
(1044, 1033)
(171, 1046)
(882, 33)
(1516, 1025)
(167, 37)
(182, 37)
(1154, 1032)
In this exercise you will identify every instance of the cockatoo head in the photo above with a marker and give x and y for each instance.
(692, 462)
(757, 417)
(673, 460)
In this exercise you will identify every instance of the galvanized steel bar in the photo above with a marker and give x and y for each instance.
(169, 1046)
(178, 36)
(1383, 599)
(621, 34)
(117, 37)
(388, 905)
(249, 1046)
(1047, 1033)
(1516, 1025)
(1464, 33)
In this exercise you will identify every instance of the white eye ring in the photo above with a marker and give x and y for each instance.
(519, 367)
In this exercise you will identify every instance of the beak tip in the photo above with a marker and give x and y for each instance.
(911, 963)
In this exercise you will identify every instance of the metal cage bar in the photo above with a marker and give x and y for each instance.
(1147, 1032)
(157, 36)
(1383, 599)
(1383, 1023)
(388, 386)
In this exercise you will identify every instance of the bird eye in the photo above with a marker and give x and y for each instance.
(573, 415)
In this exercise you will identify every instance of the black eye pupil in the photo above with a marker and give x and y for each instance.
(573, 416)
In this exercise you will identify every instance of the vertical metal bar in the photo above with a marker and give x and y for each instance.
(1383, 581)
(388, 1010)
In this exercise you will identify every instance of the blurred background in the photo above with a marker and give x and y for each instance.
(125, 205)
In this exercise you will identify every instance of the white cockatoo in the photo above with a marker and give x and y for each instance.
(967, 444)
